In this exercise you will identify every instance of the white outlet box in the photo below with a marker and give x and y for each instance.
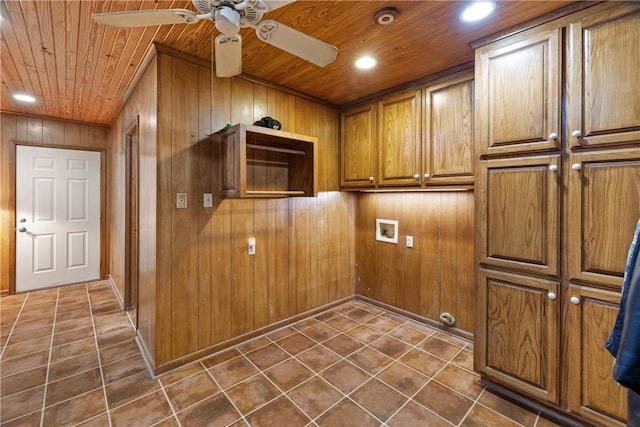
(181, 200)
(207, 200)
(251, 247)
(409, 241)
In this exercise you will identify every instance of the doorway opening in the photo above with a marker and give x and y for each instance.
(132, 223)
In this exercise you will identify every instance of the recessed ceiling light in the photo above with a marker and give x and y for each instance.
(477, 11)
(23, 97)
(366, 62)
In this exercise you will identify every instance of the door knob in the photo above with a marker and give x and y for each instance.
(576, 134)
(553, 135)
(576, 166)
(551, 295)
(371, 179)
(575, 300)
(553, 168)
(23, 219)
(22, 229)
(427, 176)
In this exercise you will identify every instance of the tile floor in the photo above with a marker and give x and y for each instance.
(69, 358)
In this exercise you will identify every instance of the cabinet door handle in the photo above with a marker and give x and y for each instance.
(576, 166)
(575, 300)
(371, 179)
(416, 176)
(553, 136)
(576, 134)
(551, 295)
(427, 176)
(553, 168)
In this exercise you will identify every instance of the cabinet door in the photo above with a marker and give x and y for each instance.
(518, 94)
(358, 141)
(592, 392)
(399, 140)
(518, 332)
(448, 135)
(519, 211)
(603, 208)
(603, 85)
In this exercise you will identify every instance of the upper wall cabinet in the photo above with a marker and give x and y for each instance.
(603, 109)
(358, 144)
(518, 94)
(416, 138)
(262, 162)
(448, 131)
(399, 140)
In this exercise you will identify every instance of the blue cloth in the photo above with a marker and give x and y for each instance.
(624, 342)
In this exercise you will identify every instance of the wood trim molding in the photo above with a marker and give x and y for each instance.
(540, 20)
(429, 322)
(236, 341)
(12, 203)
(57, 119)
(412, 85)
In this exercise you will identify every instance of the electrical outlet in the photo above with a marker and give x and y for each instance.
(409, 241)
(207, 200)
(251, 248)
(181, 201)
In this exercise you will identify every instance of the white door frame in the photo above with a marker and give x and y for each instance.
(12, 203)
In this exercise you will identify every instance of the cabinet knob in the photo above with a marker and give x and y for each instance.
(416, 176)
(553, 135)
(371, 179)
(575, 300)
(553, 168)
(427, 176)
(551, 295)
(576, 166)
(576, 134)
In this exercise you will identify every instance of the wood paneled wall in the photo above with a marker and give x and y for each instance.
(38, 131)
(434, 276)
(206, 289)
(141, 107)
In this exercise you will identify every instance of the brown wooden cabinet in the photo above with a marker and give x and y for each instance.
(261, 162)
(519, 214)
(399, 140)
(589, 315)
(448, 131)
(603, 89)
(572, 227)
(518, 93)
(602, 211)
(518, 340)
(359, 147)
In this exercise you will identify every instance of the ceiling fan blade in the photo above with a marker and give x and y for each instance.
(228, 54)
(144, 18)
(297, 43)
(262, 6)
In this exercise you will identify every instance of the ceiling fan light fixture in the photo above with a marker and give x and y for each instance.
(366, 62)
(23, 97)
(227, 20)
(477, 11)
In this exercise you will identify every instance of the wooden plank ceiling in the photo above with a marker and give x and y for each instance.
(80, 70)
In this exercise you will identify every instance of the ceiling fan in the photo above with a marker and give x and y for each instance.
(229, 16)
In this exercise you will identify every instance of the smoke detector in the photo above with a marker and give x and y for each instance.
(386, 15)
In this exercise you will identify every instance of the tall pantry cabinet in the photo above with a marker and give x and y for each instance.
(557, 196)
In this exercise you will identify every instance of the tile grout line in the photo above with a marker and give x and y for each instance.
(15, 323)
(95, 337)
(222, 390)
(46, 379)
(166, 396)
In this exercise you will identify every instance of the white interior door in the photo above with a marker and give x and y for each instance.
(58, 217)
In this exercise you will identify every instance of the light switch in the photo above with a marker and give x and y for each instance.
(251, 248)
(409, 241)
(181, 200)
(207, 200)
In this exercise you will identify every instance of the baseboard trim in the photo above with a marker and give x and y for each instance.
(555, 415)
(237, 341)
(429, 322)
(115, 291)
